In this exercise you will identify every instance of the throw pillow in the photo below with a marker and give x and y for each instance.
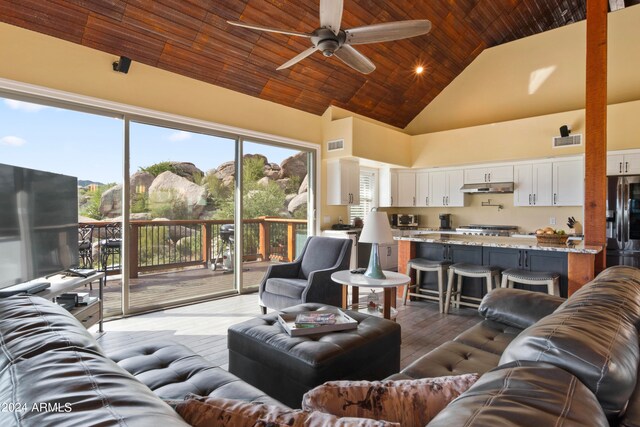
(219, 412)
(408, 402)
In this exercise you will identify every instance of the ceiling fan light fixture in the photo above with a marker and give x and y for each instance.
(333, 41)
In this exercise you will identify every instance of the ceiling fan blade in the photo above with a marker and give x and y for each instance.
(268, 29)
(354, 59)
(299, 57)
(331, 14)
(388, 31)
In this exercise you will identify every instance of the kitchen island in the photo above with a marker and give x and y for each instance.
(574, 262)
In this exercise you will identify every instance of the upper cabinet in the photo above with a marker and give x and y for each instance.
(423, 189)
(568, 183)
(533, 184)
(406, 188)
(445, 188)
(397, 187)
(488, 174)
(558, 183)
(343, 182)
(623, 164)
(388, 188)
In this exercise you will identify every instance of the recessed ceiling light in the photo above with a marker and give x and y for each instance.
(419, 69)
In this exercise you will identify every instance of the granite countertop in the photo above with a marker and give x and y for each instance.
(500, 242)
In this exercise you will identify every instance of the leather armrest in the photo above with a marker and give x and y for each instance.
(517, 307)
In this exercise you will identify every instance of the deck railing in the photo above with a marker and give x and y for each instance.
(164, 244)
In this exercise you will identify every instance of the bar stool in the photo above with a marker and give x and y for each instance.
(462, 269)
(535, 278)
(419, 265)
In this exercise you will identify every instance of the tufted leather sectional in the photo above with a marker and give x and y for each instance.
(547, 361)
(54, 373)
(544, 361)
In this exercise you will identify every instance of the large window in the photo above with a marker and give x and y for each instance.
(368, 194)
(178, 183)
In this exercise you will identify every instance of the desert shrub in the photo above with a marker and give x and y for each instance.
(92, 207)
(139, 202)
(257, 201)
(158, 168)
(293, 185)
(218, 193)
(252, 169)
(167, 204)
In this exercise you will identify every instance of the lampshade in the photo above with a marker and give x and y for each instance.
(376, 228)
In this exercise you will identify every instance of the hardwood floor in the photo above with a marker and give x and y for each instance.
(203, 327)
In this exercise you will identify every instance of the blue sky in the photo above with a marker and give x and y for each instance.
(89, 147)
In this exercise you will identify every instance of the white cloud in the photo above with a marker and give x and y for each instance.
(14, 141)
(179, 136)
(23, 106)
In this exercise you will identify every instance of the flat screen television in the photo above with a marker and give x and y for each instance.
(38, 224)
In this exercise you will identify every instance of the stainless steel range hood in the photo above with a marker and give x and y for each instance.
(488, 187)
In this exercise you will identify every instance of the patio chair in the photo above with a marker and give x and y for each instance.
(308, 278)
(110, 246)
(85, 245)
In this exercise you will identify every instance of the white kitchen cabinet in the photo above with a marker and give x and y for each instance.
(558, 183)
(406, 188)
(445, 188)
(423, 189)
(533, 184)
(388, 187)
(568, 183)
(623, 164)
(343, 182)
(488, 174)
(388, 256)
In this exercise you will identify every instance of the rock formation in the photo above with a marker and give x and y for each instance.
(168, 187)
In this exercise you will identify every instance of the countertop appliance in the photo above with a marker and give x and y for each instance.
(445, 221)
(488, 230)
(404, 220)
(623, 220)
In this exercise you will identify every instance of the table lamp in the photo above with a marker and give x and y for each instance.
(376, 230)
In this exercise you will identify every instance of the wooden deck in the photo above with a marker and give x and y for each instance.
(203, 327)
(150, 290)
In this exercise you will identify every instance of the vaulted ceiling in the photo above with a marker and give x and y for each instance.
(192, 38)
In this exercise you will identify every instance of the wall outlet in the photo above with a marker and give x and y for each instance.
(552, 220)
(326, 219)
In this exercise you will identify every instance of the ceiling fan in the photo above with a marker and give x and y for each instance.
(331, 40)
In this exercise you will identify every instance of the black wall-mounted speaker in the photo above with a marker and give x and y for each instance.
(122, 65)
(564, 131)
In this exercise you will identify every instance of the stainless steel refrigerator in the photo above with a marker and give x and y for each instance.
(623, 220)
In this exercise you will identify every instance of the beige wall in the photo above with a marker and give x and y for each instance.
(38, 59)
(521, 139)
(381, 144)
(538, 75)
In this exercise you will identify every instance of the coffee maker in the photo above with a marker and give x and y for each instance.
(445, 221)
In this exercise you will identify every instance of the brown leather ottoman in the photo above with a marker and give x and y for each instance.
(285, 367)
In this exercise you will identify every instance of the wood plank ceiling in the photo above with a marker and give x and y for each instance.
(192, 38)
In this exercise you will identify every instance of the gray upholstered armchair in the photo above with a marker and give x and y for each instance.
(308, 278)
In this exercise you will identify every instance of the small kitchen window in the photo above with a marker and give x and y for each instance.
(368, 194)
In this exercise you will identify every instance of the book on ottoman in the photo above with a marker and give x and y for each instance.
(316, 322)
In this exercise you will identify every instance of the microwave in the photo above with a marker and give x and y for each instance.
(404, 220)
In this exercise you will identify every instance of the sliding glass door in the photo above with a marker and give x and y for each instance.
(184, 238)
(182, 212)
(275, 207)
(84, 145)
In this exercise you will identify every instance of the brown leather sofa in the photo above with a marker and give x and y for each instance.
(547, 361)
(54, 373)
